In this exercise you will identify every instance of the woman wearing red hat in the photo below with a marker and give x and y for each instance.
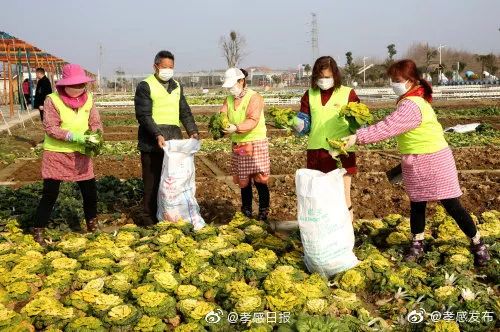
(68, 114)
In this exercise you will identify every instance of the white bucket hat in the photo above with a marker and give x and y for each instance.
(231, 77)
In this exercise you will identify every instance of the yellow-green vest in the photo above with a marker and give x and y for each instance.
(426, 138)
(325, 120)
(165, 105)
(237, 116)
(73, 121)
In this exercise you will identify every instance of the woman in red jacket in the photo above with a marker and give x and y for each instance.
(319, 118)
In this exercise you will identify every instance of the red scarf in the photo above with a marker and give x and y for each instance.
(417, 91)
(72, 102)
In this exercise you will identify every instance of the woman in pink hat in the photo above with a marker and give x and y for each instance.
(68, 114)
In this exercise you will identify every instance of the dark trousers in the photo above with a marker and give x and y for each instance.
(27, 100)
(41, 114)
(49, 197)
(152, 163)
(454, 209)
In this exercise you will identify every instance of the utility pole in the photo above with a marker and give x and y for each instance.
(99, 68)
(314, 37)
(439, 72)
(364, 71)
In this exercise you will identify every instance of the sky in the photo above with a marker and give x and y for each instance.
(277, 32)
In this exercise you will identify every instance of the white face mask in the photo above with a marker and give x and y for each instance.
(325, 83)
(235, 90)
(74, 92)
(165, 74)
(399, 88)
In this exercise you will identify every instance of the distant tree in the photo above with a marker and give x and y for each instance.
(276, 79)
(120, 80)
(430, 54)
(233, 47)
(391, 50)
(348, 56)
(488, 63)
(307, 69)
(377, 73)
(351, 69)
(461, 66)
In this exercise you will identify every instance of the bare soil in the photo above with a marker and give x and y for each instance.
(123, 167)
(481, 158)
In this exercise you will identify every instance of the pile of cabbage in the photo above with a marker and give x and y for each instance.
(170, 277)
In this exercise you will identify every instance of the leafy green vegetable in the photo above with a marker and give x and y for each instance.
(282, 117)
(170, 277)
(357, 115)
(217, 123)
(93, 142)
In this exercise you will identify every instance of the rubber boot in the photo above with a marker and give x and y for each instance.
(263, 213)
(415, 251)
(247, 211)
(481, 253)
(92, 225)
(38, 236)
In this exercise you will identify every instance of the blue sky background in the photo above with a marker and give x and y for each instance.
(277, 32)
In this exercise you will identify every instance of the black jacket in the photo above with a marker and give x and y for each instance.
(148, 129)
(43, 89)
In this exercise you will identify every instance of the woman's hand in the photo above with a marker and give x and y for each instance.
(230, 130)
(333, 153)
(350, 141)
(78, 138)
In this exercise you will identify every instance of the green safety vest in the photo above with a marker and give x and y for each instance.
(237, 116)
(426, 138)
(72, 121)
(165, 105)
(325, 120)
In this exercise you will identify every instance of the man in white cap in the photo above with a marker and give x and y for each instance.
(250, 159)
(160, 108)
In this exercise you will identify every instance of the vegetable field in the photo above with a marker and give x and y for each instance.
(239, 274)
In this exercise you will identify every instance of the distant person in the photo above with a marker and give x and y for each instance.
(43, 89)
(319, 118)
(160, 108)
(26, 93)
(429, 170)
(250, 162)
(69, 113)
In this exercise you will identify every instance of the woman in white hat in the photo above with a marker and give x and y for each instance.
(68, 114)
(250, 158)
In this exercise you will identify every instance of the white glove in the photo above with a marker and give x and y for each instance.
(350, 141)
(333, 153)
(230, 130)
(40, 108)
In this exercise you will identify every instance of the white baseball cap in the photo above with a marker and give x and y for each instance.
(231, 77)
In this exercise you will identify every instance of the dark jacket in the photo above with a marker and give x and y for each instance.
(43, 89)
(148, 129)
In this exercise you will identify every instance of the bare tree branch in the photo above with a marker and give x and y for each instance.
(232, 48)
